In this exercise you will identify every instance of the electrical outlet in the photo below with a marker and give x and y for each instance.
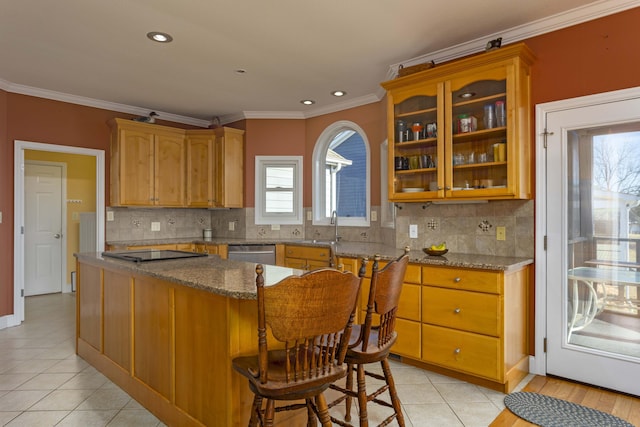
(275, 227)
(155, 226)
(75, 216)
(232, 225)
(374, 215)
(109, 215)
(309, 216)
(413, 231)
(501, 233)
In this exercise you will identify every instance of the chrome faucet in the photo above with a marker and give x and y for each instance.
(334, 222)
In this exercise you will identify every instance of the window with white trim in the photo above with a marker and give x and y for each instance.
(278, 195)
(341, 175)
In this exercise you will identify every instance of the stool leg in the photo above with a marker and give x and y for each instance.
(349, 386)
(323, 410)
(311, 416)
(269, 413)
(362, 397)
(395, 402)
(255, 411)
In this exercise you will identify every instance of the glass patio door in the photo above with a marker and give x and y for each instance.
(593, 244)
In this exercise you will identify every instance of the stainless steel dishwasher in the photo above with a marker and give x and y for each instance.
(259, 254)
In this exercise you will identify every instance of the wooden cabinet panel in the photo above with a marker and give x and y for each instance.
(409, 339)
(470, 280)
(136, 175)
(468, 311)
(117, 318)
(169, 166)
(409, 304)
(200, 169)
(462, 351)
(90, 304)
(307, 257)
(152, 343)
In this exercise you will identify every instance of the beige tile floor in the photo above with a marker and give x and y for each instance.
(43, 382)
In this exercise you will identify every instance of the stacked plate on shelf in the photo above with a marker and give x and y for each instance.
(412, 189)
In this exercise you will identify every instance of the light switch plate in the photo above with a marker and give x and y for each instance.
(110, 216)
(275, 227)
(232, 225)
(501, 233)
(374, 215)
(155, 226)
(309, 216)
(75, 216)
(413, 231)
(0, 217)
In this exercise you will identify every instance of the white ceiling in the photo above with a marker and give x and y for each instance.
(291, 49)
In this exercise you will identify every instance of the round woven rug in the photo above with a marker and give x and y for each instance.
(548, 411)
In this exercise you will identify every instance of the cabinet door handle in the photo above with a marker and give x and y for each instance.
(447, 188)
(456, 310)
(457, 351)
(457, 279)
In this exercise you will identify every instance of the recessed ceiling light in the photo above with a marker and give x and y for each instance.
(159, 37)
(338, 93)
(307, 102)
(240, 71)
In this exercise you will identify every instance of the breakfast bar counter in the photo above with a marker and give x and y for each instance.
(166, 332)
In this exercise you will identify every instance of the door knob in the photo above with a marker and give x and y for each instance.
(57, 235)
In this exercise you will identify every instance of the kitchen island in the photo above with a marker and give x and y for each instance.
(166, 332)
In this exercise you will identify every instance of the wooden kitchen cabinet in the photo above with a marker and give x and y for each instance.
(440, 146)
(147, 164)
(474, 324)
(215, 168)
(307, 257)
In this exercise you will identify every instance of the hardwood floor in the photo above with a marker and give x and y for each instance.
(620, 405)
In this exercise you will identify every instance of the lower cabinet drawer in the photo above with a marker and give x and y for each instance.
(408, 342)
(463, 310)
(462, 351)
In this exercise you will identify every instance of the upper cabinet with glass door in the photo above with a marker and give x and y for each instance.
(461, 130)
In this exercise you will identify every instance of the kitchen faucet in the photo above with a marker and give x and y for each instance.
(334, 222)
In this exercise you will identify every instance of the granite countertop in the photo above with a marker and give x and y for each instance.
(234, 279)
(360, 249)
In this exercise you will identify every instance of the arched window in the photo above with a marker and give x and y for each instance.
(341, 175)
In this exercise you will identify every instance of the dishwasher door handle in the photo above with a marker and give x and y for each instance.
(251, 252)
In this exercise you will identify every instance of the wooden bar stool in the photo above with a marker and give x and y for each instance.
(311, 317)
(370, 344)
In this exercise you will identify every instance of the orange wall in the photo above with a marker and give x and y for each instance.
(596, 56)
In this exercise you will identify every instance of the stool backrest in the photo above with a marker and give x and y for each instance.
(383, 299)
(312, 316)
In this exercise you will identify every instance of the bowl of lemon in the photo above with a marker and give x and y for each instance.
(436, 250)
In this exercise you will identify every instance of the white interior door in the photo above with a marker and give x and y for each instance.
(593, 244)
(43, 229)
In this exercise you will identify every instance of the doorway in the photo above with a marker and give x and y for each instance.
(587, 205)
(45, 238)
(19, 211)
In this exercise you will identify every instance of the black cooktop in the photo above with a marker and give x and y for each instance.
(151, 255)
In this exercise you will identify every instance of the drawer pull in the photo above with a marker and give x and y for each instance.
(457, 351)
(457, 279)
(456, 310)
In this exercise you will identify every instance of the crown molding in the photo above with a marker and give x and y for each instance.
(97, 103)
(556, 22)
(566, 19)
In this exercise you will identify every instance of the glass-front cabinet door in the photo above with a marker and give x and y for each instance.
(417, 144)
(462, 130)
(477, 140)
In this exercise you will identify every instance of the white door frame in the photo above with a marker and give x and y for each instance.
(18, 209)
(538, 362)
(63, 212)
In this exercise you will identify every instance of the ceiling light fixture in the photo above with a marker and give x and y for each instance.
(308, 102)
(159, 37)
(338, 93)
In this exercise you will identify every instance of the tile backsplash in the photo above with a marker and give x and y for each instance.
(466, 228)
